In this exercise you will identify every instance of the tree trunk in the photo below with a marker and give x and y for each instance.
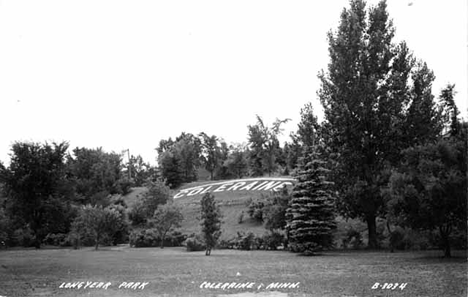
(162, 243)
(97, 242)
(392, 248)
(37, 243)
(444, 234)
(372, 230)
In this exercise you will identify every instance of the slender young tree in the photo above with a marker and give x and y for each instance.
(310, 216)
(211, 221)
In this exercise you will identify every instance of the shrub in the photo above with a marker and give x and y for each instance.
(256, 210)
(245, 241)
(396, 240)
(259, 243)
(458, 240)
(144, 238)
(273, 240)
(24, 237)
(353, 238)
(307, 249)
(227, 243)
(123, 186)
(175, 238)
(150, 238)
(57, 239)
(137, 215)
(195, 243)
(408, 239)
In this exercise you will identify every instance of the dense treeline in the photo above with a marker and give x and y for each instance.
(387, 150)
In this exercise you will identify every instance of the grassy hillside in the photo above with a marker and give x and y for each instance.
(232, 204)
(134, 195)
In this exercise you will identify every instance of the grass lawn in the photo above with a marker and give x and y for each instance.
(175, 272)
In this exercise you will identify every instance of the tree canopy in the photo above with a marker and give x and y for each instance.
(377, 101)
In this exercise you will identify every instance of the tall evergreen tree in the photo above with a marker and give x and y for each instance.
(211, 221)
(308, 134)
(308, 128)
(310, 216)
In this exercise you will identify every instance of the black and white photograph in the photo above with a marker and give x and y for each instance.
(233, 148)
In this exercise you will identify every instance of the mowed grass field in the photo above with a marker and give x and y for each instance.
(176, 272)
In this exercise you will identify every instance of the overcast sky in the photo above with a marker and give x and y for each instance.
(126, 74)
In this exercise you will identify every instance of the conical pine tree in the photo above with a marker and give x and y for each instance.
(311, 216)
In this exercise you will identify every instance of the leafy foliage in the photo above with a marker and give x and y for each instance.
(179, 159)
(33, 184)
(274, 214)
(94, 171)
(195, 243)
(236, 163)
(165, 218)
(97, 223)
(211, 155)
(140, 171)
(171, 171)
(151, 238)
(255, 210)
(264, 146)
(377, 101)
(429, 191)
(158, 194)
(137, 214)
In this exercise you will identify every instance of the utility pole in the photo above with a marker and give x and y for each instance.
(129, 164)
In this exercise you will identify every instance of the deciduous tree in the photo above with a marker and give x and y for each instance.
(33, 185)
(373, 90)
(158, 194)
(165, 218)
(97, 222)
(429, 191)
(264, 146)
(210, 153)
(236, 162)
(96, 172)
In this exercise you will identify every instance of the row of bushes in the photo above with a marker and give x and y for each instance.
(399, 239)
(249, 241)
(151, 238)
(243, 241)
(404, 239)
